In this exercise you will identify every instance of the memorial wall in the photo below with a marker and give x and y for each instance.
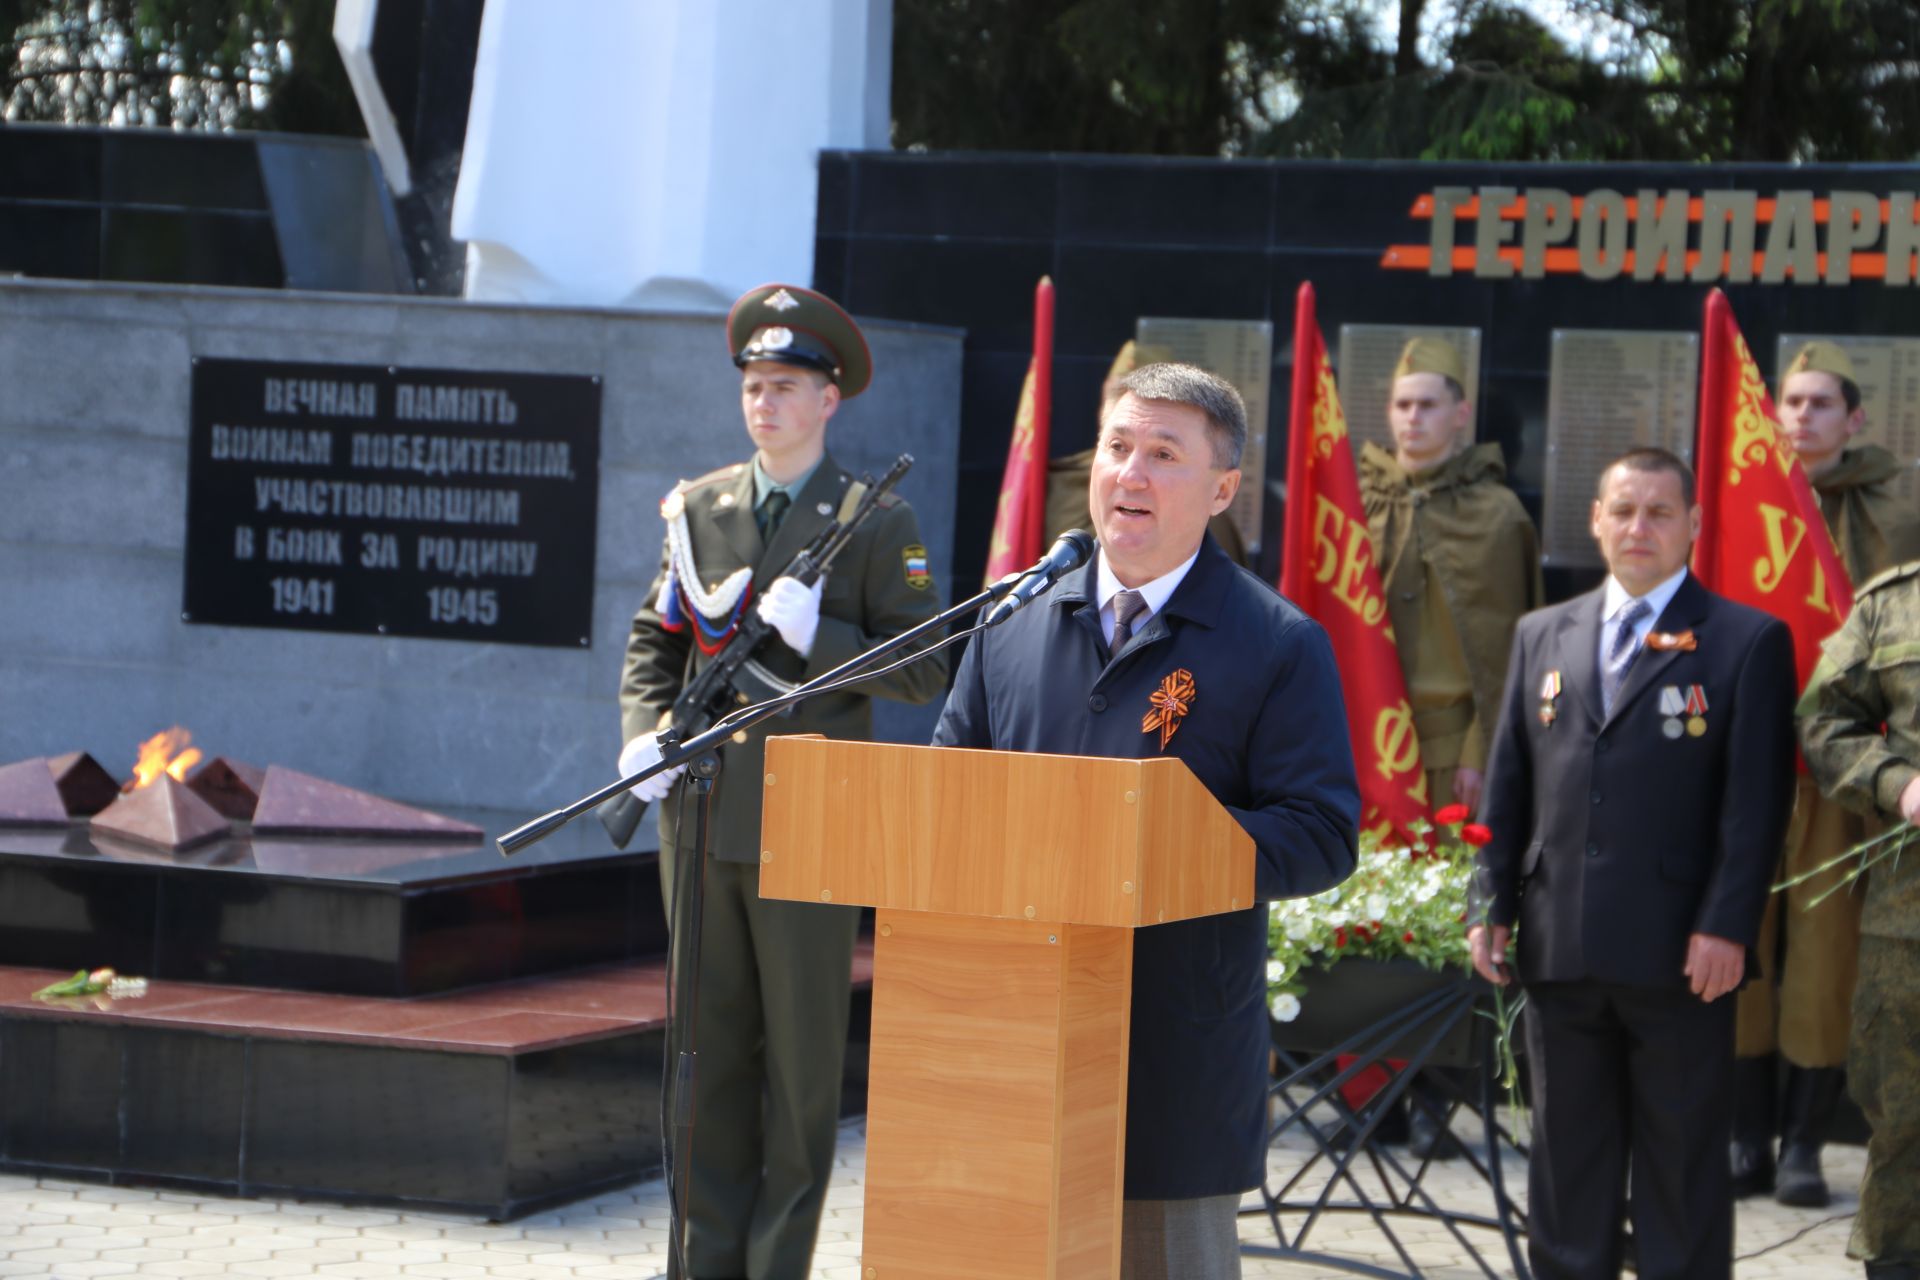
(1575, 291)
(394, 542)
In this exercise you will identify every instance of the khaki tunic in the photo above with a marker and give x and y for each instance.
(1869, 677)
(1460, 562)
(1808, 953)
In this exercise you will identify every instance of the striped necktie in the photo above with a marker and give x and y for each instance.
(1621, 653)
(1127, 605)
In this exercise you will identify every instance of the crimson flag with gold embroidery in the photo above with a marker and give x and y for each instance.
(1327, 568)
(1762, 539)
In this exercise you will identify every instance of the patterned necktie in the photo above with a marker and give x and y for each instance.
(1621, 653)
(1127, 606)
(768, 516)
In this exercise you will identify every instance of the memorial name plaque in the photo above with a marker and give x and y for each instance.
(1608, 391)
(1888, 373)
(1368, 353)
(399, 502)
(1241, 351)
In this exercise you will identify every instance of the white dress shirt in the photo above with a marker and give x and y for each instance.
(1616, 601)
(1155, 593)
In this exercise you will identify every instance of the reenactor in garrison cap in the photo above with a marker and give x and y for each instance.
(1796, 1019)
(1459, 559)
(772, 1020)
(1860, 732)
(1460, 562)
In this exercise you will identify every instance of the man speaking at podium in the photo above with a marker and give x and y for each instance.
(1162, 645)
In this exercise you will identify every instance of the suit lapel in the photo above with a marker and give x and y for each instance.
(1688, 606)
(1579, 652)
(733, 515)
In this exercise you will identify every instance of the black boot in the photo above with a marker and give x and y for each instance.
(1811, 1094)
(1751, 1155)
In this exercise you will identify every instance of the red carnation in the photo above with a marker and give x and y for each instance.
(1451, 814)
(1407, 936)
(1339, 938)
(1475, 834)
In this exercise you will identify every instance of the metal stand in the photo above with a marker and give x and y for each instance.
(683, 986)
(1409, 1036)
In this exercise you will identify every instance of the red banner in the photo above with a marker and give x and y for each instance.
(1762, 539)
(1328, 570)
(1020, 522)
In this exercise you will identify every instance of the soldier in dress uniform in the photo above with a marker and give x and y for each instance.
(1860, 732)
(1796, 1017)
(1460, 563)
(771, 1026)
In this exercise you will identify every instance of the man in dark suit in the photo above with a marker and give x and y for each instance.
(1163, 646)
(1638, 792)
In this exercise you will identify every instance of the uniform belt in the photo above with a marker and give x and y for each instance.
(1443, 722)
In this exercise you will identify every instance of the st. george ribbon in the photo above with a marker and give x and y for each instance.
(1069, 552)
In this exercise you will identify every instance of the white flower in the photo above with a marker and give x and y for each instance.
(1377, 906)
(1297, 930)
(1275, 971)
(1285, 1007)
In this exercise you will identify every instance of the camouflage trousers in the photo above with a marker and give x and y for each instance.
(1883, 1074)
(1799, 1005)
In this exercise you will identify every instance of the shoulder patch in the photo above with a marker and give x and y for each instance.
(913, 560)
(1895, 574)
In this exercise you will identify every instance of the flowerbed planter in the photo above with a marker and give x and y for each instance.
(1360, 992)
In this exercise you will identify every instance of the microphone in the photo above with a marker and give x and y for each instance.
(1069, 553)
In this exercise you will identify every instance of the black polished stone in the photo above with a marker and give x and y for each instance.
(62, 241)
(60, 1089)
(583, 1116)
(170, 246)
(188, 170)
(406, 1125)
(50, 164)
(354, 917)
(182, 1105)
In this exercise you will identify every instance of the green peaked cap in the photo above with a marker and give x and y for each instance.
(787, 324)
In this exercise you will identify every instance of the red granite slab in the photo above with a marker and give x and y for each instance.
(293, 802)
(85, 785)
(231, 786)
(29, 797)
(509, 1018)
(163, 813)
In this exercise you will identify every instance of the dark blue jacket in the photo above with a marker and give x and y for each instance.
(1267, 735)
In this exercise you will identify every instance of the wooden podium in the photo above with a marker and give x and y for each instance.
(1007, 886)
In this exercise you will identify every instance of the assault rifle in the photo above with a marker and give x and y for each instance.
(734, 678)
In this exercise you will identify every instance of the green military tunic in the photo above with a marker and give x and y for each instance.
(1460, 562)
(1860, 732)
(1801, 1006)
(771, 1027)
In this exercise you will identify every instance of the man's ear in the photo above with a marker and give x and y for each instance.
(829, 399)
(1223, 495)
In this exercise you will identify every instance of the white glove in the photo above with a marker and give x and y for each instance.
(637, 755)
(793, 611)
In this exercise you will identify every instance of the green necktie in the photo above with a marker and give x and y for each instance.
(768, 516)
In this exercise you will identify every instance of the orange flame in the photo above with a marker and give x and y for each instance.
(166, 752)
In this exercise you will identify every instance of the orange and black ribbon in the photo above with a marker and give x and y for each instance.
(1170, 703)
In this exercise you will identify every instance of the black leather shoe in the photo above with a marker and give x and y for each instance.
(1427, 1139)
(1752, 1168)
(1798, 1181)
(1892, 1270)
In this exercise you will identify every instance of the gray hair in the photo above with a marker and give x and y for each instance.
(1187, 384)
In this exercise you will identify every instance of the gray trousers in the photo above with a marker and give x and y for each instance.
(1180, 1239)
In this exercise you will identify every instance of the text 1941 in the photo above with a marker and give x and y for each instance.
(303, 595)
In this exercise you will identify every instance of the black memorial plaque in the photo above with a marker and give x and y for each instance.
(448, 503)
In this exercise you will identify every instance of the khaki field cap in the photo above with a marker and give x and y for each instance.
(790, 325)
(1821, 357)
(1431, 355)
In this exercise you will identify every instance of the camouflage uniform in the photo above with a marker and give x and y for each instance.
(1869, 676)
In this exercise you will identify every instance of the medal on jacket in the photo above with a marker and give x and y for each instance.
(1672, 703)
(1696, 711)
(1549, 698)
(1170, 703)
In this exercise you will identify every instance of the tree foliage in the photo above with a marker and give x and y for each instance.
(190, 64)
(1691, 80)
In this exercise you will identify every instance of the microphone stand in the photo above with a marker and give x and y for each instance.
(701, 756)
